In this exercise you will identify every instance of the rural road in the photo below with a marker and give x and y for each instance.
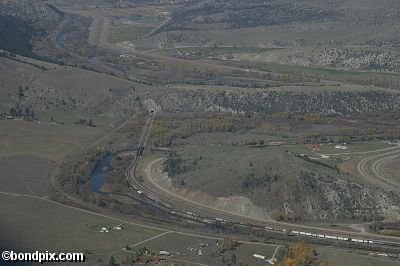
(156, 190)
(166, 199)
(370, 169)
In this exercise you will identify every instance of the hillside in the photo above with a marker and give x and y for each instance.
(283, 185)
(24, 22)
(48, 87)
(16, 35)
(307, 17)
(320, 100)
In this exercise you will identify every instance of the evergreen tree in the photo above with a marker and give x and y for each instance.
(233, 259)
(112, 261)
(13, 112)
(20, 92)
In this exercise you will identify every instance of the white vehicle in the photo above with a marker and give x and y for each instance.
(259, 256)
(164, 253)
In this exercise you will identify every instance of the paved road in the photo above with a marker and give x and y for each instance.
(156, 190)
(169, 201)
(189, 205)
(370, 169)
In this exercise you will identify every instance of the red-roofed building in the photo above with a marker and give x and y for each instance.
(315, 147)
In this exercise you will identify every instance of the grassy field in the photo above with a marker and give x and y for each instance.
(45, 140)
(346, 258)
(361, 77)
(43, 225)
(186, 248)
(220, 170)
(358, 147)
(36, 224)
(391, 168)
(26, 174)
(73, 117)
(128, 32)
(217, 50)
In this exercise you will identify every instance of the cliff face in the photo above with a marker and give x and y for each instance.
(269, 101)
(311, 196)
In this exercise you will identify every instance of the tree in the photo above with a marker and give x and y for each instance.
(27, 113)
(233, 259)
(90, 123)
(302, 253)
(13, 112)
(20, 92)
(112, 261)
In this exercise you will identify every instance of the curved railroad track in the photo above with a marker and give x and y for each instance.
(186, 208)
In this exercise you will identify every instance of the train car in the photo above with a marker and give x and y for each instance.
(320, 236)
(357, 240)
(167, 205)
(256, 226)
(331, 237)
(268, 228)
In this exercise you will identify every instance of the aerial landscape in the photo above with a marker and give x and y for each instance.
(200, 132)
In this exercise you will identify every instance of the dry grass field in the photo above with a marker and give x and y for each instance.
(35, 224)
(347, 258)
(44, 140)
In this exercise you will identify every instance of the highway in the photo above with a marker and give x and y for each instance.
(188, 209)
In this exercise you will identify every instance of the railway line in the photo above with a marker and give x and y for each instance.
(206, 214)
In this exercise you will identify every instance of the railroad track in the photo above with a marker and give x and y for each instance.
(206, 214)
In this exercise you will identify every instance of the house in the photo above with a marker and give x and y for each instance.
(315, 147)
(341, 147)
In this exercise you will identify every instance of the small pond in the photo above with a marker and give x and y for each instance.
(100, 172)
(61, 38)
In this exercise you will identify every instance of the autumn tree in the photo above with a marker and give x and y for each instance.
(302, 254)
